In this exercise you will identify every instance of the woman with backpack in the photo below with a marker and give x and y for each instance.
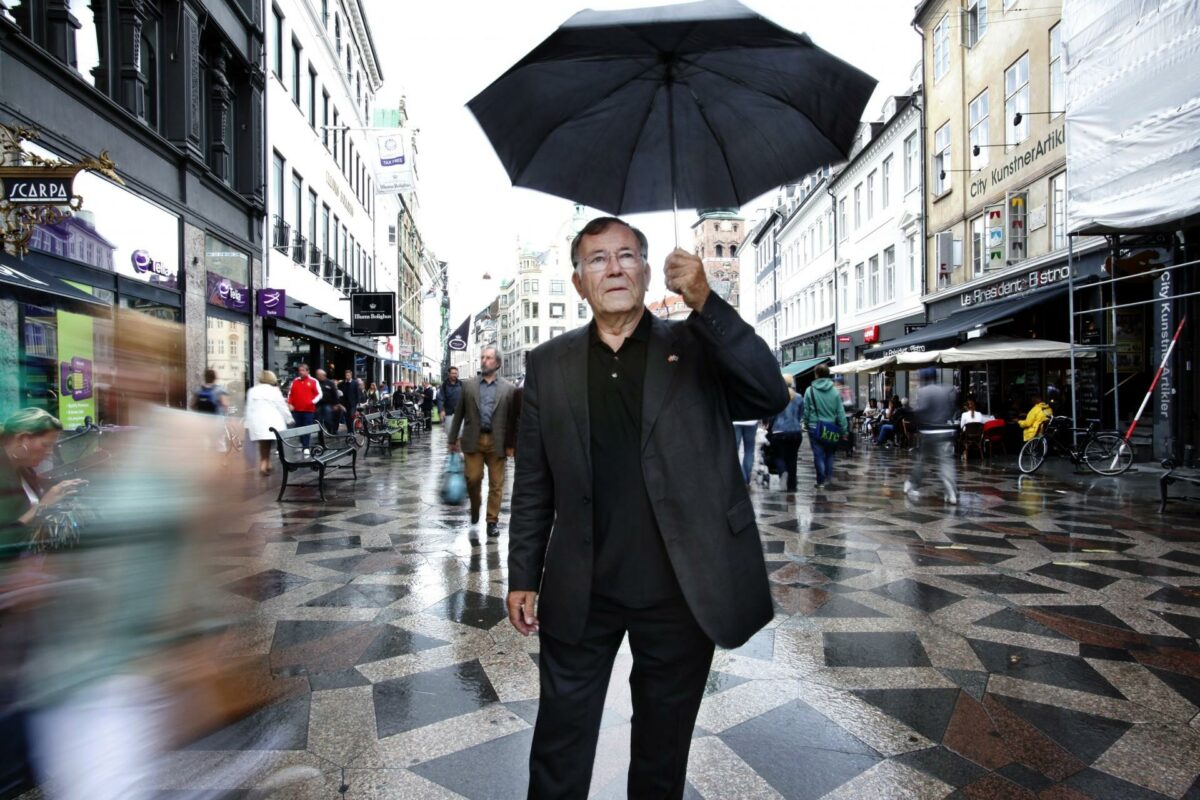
(825, 421)
(785, 433)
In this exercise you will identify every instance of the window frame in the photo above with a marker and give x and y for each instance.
(941, 48)
(1014, 135)
(942, 161)
(885, 182)
(978, 129)
(1057, 88)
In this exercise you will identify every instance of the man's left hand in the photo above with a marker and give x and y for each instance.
(508, 452)
(684, 272)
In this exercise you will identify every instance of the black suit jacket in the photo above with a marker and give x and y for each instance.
(701, 374)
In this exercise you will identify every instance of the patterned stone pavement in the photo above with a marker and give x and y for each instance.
(1039, 640)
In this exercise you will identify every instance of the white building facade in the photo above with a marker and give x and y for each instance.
(329, 233)
(805, 269)
(880, 265)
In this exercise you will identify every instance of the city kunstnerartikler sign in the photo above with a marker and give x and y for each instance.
(373, 313)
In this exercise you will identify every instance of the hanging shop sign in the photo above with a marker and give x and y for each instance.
(271, 303)
(373, 313)
(458, 339)
(227, 293)
(871, 334)
(42, 190)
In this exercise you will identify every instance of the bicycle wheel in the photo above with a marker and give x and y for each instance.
(1108, 454)
(1033, 453)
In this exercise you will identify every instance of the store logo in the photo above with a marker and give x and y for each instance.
(143, 264)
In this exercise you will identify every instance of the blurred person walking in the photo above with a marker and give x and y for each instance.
(265, 409)
(302, 400)
(743, 436)
(211, 397)
(786, 433)
(329, 406)
(351, 395)
(936, 416)
(483, 420)
(825, 421)
(451, 392)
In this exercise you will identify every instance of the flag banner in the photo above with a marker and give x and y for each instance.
(458, 339)
(393, 165)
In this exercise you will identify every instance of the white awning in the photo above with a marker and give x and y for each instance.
(1005, 348)
(863, 365)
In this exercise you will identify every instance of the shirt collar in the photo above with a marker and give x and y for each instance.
(640, 334)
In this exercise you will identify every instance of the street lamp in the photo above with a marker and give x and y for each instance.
(1020, 115)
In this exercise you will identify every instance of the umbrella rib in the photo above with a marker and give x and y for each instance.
(721, 144)
(546, 137)
(783, 101)
(633, 150)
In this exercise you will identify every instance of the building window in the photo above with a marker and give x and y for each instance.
(557, 331)
(912, 263)
(889, 274)
(873, 281)
(842, 219)
(534, 287)
(1058, 211)
(558, 287)
(325, 118)
(1016, 100)
(978, 115)
(912, 162)
(844, 287)
(885, 179)
(277, 185)
(978, 247)
(296, 50)
(857, 206)
(391, 234)
(558, 310)
(1057, 89)
(975, 22)
(312, 98)
(297, 202)
(871, 194)
(720, 251)
(148, 67)
(277, 42)
(941, 160)
(859, 287)
(941, 48)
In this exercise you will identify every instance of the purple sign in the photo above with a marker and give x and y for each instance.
(272, 303)
(227, 293)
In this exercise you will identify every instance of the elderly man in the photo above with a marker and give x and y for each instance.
(630, 513)
(483, 418)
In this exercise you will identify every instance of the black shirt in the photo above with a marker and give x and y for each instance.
(631, 563)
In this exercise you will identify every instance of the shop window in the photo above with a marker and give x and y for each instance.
(232, 357)
(995, 253)
(1016, 224)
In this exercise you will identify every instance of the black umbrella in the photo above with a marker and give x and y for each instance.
(701, 105)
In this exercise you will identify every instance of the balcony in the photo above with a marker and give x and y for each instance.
(299, 246)
(330, 269)
(282, 236)
(314, 259)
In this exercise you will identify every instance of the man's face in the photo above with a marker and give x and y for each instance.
(349, 375)
(611, 277)
(454, 376)
(488, 363)
(303, 370)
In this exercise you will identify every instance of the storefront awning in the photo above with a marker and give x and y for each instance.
(947, 332)
(863, 365)
(1007, 348)
(14, 273)
(798, 368)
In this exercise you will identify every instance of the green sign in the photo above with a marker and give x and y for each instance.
(76, 395)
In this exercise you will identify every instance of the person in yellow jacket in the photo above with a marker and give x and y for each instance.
(1040, 413)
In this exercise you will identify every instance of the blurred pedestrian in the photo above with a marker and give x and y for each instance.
(351, 395)
(743, 436)
(329, 407)
(937, 423)
(211, 397)
(265, 409)
(451, 392)
(825, 422)
(302, 400)
(786, 434)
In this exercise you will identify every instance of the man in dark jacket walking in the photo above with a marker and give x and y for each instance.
(327, 406)
(351, 397)
(451, 392)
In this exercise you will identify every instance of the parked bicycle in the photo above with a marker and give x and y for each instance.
(231, 442)
(1103, 452)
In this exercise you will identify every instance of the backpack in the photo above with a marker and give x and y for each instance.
(205, 400)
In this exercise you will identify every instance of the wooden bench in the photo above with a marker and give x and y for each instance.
(325, 451)
(375, 430)
(1175, 473)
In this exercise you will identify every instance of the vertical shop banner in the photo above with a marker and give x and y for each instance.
(76, 399)
(1163, 402)
(393, 164)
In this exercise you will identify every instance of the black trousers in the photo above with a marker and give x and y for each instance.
(671, 659)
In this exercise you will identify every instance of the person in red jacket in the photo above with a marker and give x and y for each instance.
(302, 399)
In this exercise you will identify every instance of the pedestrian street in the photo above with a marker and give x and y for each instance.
(1035, 641)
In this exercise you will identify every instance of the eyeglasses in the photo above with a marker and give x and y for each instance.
(599, 260)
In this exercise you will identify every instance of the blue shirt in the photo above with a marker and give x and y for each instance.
(487, 403)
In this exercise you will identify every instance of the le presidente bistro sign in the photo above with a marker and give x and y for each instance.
(1034, 279)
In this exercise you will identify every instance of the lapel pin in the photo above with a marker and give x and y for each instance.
(671, 359)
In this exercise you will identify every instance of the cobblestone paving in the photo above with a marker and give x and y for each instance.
(1039, 640)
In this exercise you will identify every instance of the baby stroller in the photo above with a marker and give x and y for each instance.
(769, 453)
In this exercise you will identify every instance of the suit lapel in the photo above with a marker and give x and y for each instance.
(660, 374)
(574, 368)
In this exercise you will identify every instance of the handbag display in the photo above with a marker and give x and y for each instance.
(454, 482)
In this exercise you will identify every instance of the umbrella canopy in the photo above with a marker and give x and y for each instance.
(1006, 348)
(699, 105)
(863, 365)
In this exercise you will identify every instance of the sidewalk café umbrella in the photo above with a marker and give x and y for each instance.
(700, 105)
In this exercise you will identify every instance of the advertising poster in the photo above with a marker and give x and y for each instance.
(75, 399)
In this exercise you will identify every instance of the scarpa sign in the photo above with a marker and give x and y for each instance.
(38, 185)
(271, 303)
(373, 313)
(227, 293)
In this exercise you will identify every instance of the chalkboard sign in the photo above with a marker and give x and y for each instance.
(1087, 389)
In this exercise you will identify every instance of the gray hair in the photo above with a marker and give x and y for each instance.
(598, 226)
(494, 349)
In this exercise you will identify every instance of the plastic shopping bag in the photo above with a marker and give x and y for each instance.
(454, 483)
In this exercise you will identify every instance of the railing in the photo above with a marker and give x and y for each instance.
(281, 240)
(330, 269)
(314, 259)
(299, 245)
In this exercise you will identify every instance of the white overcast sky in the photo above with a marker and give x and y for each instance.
(440, 54)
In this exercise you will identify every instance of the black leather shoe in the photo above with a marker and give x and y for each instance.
(473, 537)
(474, 517)
(493, 530)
